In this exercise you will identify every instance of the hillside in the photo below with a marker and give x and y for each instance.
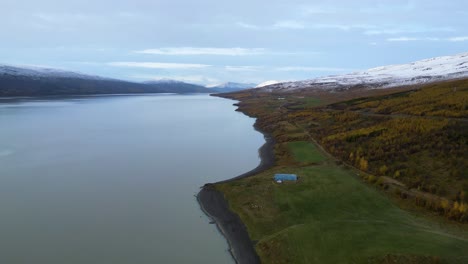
(382, 175)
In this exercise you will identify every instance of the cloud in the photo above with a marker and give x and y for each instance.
(342, 26)
(60, 18)
(458, 39)
(289, 24)
(359, 8)
(319, 10)
(415, 29)
(177, 51)
(279, 25)
(158, 65)
(381, 8)
(242, 68)
(294, 24)
(247, 25)
(405, 39)
(402, 39)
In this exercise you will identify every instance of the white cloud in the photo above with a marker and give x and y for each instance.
(243, 68)
(402, 39)
(247, 25)
(343, 26)
(319, 10)
(382, 31)
(381, 8)
(289, 24)
(158, 65)
(415, 29)
(458, 39)
(60, 18)
(128, 14)
(294, 24)
(203, 51)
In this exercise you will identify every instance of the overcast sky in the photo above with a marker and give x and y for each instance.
(214, 41)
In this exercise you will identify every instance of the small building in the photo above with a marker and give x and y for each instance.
(280, 177)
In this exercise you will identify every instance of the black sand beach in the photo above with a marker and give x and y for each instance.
(216, 206)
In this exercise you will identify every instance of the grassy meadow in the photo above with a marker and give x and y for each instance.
(330, 216)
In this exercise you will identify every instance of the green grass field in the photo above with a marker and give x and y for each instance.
(305, 152)
(307, 102)
(330, 216)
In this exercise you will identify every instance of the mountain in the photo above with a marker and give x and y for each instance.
(39, 72)
(36, 81)
(419, 72)
(231, 87)
(271, 82)
(178, 87)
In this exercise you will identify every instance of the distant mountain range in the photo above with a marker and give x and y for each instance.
(419, 72)
(37, 81)
(179, 87)
(232, 86)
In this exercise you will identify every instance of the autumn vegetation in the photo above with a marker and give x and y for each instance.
(393, 162)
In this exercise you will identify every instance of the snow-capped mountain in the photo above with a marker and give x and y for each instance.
(266, 83)
(233, 86)
(39, 72)
(423, 71)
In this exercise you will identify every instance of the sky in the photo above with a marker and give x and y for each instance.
(215, 41)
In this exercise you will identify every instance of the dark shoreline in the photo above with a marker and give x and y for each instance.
(214, 204)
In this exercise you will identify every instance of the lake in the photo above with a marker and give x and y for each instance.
(113, 179)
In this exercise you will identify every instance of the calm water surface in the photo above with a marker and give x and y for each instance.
(111, 180)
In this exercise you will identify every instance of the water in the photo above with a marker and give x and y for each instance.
(111, 180)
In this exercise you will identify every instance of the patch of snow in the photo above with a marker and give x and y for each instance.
(263, 84)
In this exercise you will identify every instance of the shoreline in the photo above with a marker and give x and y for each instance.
(215, 206)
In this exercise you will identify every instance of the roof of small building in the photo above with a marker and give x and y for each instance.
(284, 176)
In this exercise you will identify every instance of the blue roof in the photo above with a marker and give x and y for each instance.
(285, 177)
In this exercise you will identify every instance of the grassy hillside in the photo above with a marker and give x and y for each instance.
(329, 216)
(361, 157)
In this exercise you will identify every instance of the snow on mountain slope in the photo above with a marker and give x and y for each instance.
(266, 83)
(232, 85)
(39, 72)
(423, 71)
